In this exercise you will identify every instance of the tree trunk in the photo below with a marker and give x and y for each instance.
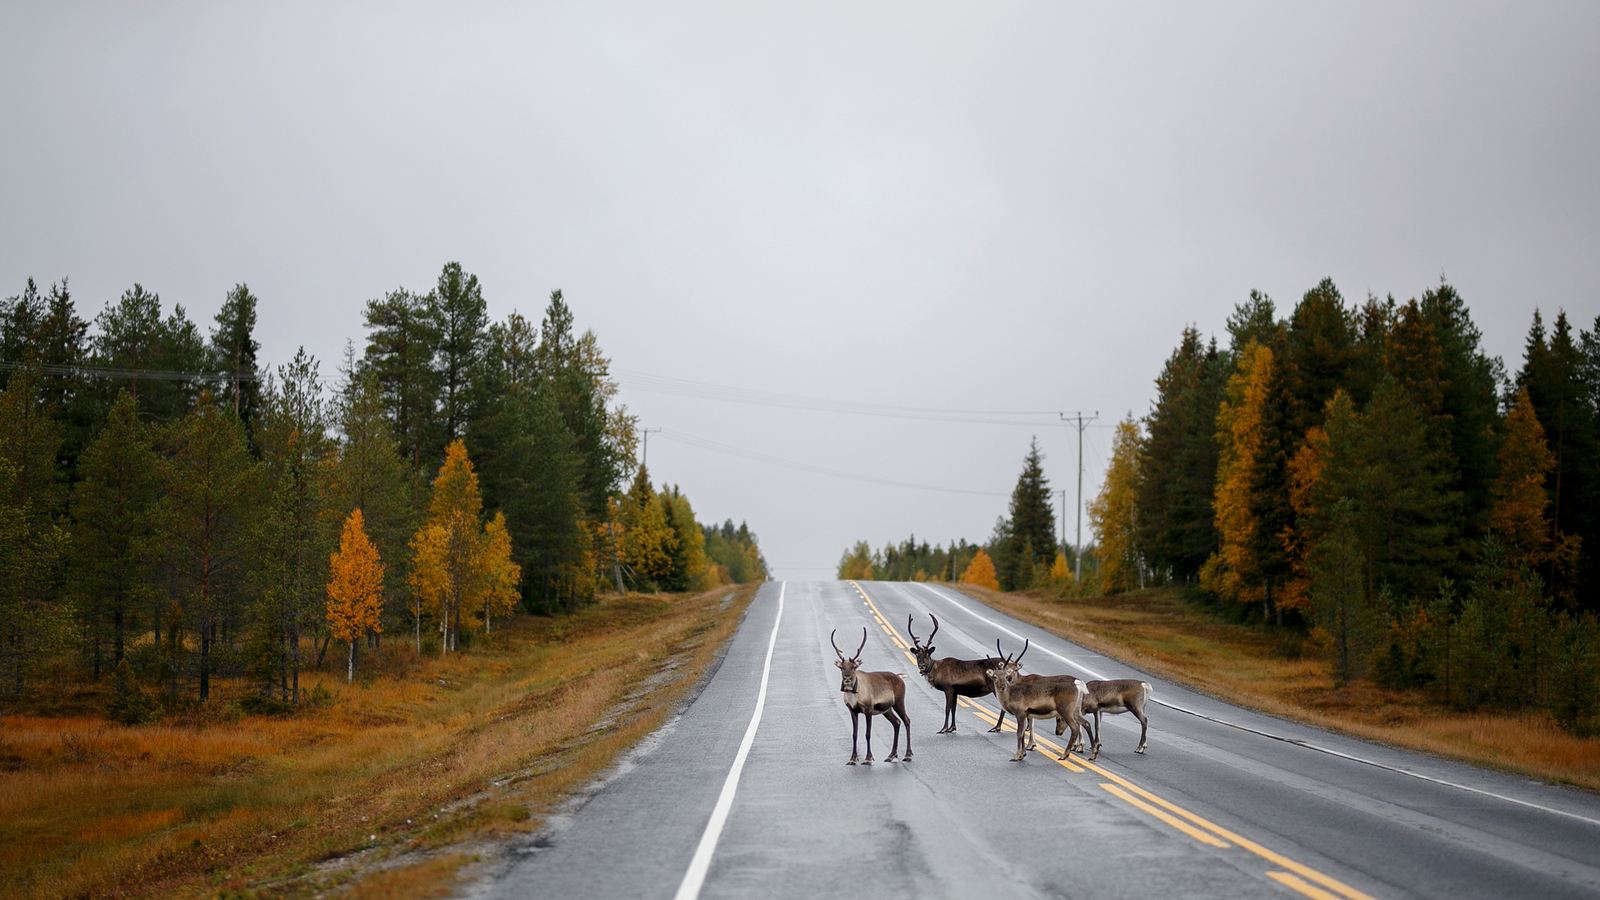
(352, 676)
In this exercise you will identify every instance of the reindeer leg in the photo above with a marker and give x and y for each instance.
(894, 748)
(1076, 738)
(855, 726)
(1000, 723)
(900, 706)
(949, 725)
(868, 760)
(1096, 754)
(1144, 727)
(1022, 752)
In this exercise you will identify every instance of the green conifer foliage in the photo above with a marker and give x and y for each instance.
(117, 542)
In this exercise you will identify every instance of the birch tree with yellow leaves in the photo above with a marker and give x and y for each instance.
(1112, 514)
(355, 588)
(461, 566)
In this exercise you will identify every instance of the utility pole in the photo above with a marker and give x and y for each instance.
(644, 458)
(1078, 420)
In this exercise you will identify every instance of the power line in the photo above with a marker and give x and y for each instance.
(730, 450)
(132, 374)
(682, 387)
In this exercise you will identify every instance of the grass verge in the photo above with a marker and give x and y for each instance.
(371, 795)
(1263, 668)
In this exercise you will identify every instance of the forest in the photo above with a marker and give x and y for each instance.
(1365, 475)
(174, 512)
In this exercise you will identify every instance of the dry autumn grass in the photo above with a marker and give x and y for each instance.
(1164, 633)
(364, 794)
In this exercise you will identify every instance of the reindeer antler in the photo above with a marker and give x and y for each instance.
(863, 643)
(835, 643)
(935, 626)
(1000, 651)
(1024, 650)
(914, 641)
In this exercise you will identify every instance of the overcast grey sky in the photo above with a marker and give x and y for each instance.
(968, 206)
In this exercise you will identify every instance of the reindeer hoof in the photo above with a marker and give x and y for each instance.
(1140, 750)
(890, 758)
(1095, 755)
(851, 762)
(907, 757)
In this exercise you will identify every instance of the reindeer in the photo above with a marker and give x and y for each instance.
(1115, 697)
(1054, 697)
(954, 677)
(871, 693)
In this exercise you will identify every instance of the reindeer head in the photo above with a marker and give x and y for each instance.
(1010, 669)
(923, 653)
(847, 667)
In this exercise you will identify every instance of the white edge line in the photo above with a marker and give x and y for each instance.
(1299, 743)
(689, 888)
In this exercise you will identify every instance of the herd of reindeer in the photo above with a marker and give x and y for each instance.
(1064, 698)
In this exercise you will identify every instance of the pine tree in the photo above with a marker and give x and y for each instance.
(459, 309)
(578, 375)
(34, 621)
(233, 349)
(216, 493)
(530, 467)
(402, 338)
(688, 559)
(1113, 514)
(355, 587)
(117, 544)
(292, 422)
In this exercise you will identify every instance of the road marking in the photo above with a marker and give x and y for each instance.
(695, 878)
(1164, 816)
(983, 712)
(1288, 880)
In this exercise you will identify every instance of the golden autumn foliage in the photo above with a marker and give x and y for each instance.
(1232, 570)
(981, 572)
(355, 586)
(462, 568)
(1518, 516)
(1112, 514)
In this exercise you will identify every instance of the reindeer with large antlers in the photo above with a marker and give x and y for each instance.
(1048, 697)
(954, 677)
(871, 693)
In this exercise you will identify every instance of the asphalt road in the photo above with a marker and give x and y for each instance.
(1224, 803)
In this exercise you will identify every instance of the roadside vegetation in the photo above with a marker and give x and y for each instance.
(386, 786)
(257, 625)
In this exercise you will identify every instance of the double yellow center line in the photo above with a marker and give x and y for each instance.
(1299, 877)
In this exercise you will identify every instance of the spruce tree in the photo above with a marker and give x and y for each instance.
(233, 349)
(1031, 528)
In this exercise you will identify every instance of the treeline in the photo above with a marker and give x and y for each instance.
(1022, 551)
(1370, 474)
(172, 513)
